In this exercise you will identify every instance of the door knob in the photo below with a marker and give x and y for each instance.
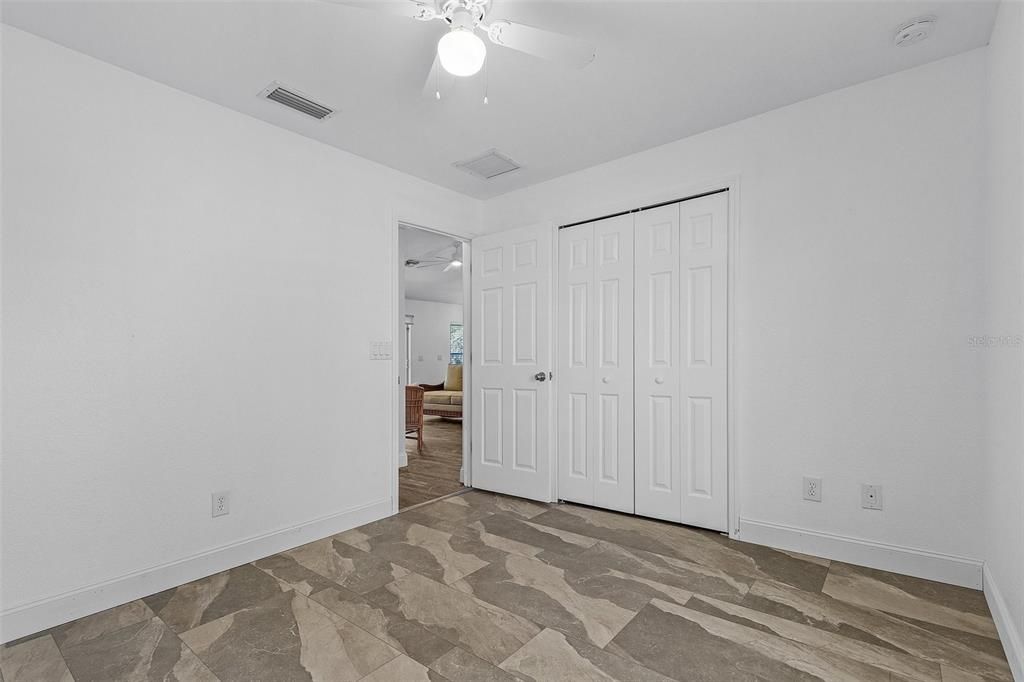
(659, 380)
(541, 376)
(605, 380)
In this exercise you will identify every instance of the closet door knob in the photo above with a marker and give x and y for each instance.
(659, 380)
(605, 380)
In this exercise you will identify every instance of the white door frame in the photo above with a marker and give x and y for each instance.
(732, 184)
(397, 407)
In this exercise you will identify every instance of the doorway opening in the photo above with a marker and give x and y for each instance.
(432, 310)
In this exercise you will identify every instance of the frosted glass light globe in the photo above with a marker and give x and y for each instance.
(461, 52)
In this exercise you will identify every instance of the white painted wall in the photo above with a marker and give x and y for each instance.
(860, 279)
(182, 315)
(430, 338)
(1004, 471)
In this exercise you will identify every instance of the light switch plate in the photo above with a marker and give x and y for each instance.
(380, 350)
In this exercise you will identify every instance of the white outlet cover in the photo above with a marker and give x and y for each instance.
(812, 489)
(220, 503)
(871, 496)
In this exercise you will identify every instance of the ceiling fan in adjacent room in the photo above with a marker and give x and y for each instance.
(447, 257)
(461, 52)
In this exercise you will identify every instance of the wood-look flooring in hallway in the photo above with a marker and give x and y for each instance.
(434, 473)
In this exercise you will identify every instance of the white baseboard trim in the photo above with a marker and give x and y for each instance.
(403, 459)
(919, 563)
(1009, 635)
(26, 619)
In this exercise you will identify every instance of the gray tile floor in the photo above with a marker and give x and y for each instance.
(484, 587)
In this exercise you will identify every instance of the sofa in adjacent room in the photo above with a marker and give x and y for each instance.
(445, 399)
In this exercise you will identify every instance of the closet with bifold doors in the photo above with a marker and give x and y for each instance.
(642, 367)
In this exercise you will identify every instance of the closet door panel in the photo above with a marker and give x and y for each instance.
(594, 376)
(613, 379)
(574, 371)
(704, 282)
(657, 363)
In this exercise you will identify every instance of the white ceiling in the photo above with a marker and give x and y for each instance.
(429, 284)
(664, 70)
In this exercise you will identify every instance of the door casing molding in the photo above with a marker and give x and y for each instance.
(396, 220)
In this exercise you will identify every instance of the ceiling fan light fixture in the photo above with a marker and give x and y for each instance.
(461, 51)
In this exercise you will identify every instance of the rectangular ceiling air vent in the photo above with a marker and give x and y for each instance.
(490, 164)
(293, 100)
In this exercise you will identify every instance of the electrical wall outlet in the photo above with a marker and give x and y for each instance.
(812, 489)
(871, 496)
(220, 504)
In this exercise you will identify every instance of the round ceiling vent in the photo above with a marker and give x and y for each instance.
(914, 31)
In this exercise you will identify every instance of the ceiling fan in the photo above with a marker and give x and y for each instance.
(461, 52)
(438, 258)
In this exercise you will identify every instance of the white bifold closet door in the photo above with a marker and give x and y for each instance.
(594, 369)
(680, 371)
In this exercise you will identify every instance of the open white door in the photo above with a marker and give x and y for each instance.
(511, 362)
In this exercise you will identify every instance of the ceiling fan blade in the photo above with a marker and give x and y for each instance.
(411, 9)
(548, 45)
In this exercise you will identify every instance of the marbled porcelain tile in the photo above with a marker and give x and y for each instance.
(143, 651)
(494, 503)
(403, 669)
(389, 626)
(558, 597)
(528, 534)
(458, 665)
(595, 579)
(288, 571)
(486, 630)
(346, 565)
(399, 522)
(206, 599)
(872, 626)
(454, 512)
(288, 637)
(34, 660)
(980, 643)
(905, 666)
(500, 542)
(552, 657)
(99, 624)
(442, 556)
(666, 570)
(950, 674)
(690, 645)
(702, 547)
(946, 605)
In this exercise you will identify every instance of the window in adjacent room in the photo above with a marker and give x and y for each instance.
(455, 343)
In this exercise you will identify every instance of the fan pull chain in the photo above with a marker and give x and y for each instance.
(487, 78)
(437, 83)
